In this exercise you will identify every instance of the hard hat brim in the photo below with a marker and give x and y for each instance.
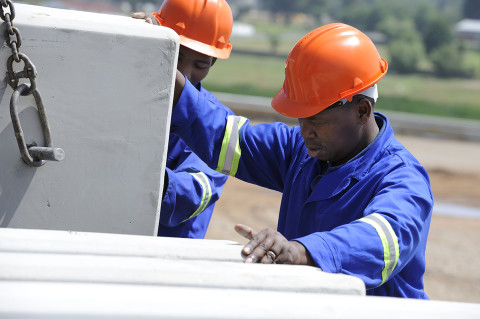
(206, 49)
(283, 105)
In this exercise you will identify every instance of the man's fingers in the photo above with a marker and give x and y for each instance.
(143, 15)
(245, 231)
(139, 15)
(259, 246)
(247, 250)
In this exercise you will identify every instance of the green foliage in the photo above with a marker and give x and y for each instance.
(366, 17)
(358, 15)
(448, 60)
(472, 62)
(425, 13)
(395, 29)
(405, 47)
(405, 55)
(438, 32)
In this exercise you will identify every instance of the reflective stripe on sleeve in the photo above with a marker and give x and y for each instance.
(230, 152)
(206, 195)
(389, 242)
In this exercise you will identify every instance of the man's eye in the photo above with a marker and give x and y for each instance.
(318, 123)
(201, 66)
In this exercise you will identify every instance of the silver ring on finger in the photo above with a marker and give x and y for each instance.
(272, 255)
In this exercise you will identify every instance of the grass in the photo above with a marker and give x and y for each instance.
(247, 74)
(424, 94)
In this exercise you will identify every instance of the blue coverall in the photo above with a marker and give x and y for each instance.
(193, 187)
(368, 217)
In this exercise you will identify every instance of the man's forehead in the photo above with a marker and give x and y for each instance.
(321, 115)
(194, 55)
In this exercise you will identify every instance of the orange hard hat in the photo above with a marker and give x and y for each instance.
(331, 63)
(203, 25)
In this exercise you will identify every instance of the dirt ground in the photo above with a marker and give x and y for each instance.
(453, 250)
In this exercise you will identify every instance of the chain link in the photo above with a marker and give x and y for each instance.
(32, 155)
(14, 41)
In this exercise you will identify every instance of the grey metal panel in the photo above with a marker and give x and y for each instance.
(107, 84)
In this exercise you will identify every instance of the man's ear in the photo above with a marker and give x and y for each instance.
(365, 110)
(213, 61)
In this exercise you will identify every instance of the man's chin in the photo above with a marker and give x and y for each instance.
(314, 153)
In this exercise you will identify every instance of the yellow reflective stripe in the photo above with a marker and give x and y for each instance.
(231, 152)
(226, 139)
(206, 194)
(389, 240)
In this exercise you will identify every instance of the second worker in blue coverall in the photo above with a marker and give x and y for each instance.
(191, 188)
(354, 200)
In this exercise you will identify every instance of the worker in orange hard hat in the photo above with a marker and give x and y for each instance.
(204, 28)
(354, 200)
(191, 188)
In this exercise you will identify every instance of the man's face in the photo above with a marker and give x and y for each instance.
(194, 65)
(333, 134)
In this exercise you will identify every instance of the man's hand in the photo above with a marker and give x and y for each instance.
(147, 17)
(179, 78)
(269, 247)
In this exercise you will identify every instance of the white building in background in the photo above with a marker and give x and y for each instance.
(469, 29)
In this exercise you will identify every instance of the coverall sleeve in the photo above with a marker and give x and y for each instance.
(377, 247)
(215, 136)
(192, 188)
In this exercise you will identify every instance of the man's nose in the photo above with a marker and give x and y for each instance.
(306, 130)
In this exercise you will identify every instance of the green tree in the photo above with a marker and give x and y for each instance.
(425, 12)
(405, 55)
(448, 60)
(438, 32)
(405, 46)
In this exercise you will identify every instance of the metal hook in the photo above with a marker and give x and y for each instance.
(33, 156)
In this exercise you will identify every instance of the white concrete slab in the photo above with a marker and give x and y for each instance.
(60, 256)
(106, 83)
(82, 243)
(97, 300)
(60, 274)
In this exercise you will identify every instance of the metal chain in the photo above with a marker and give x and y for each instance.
(32, 155)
